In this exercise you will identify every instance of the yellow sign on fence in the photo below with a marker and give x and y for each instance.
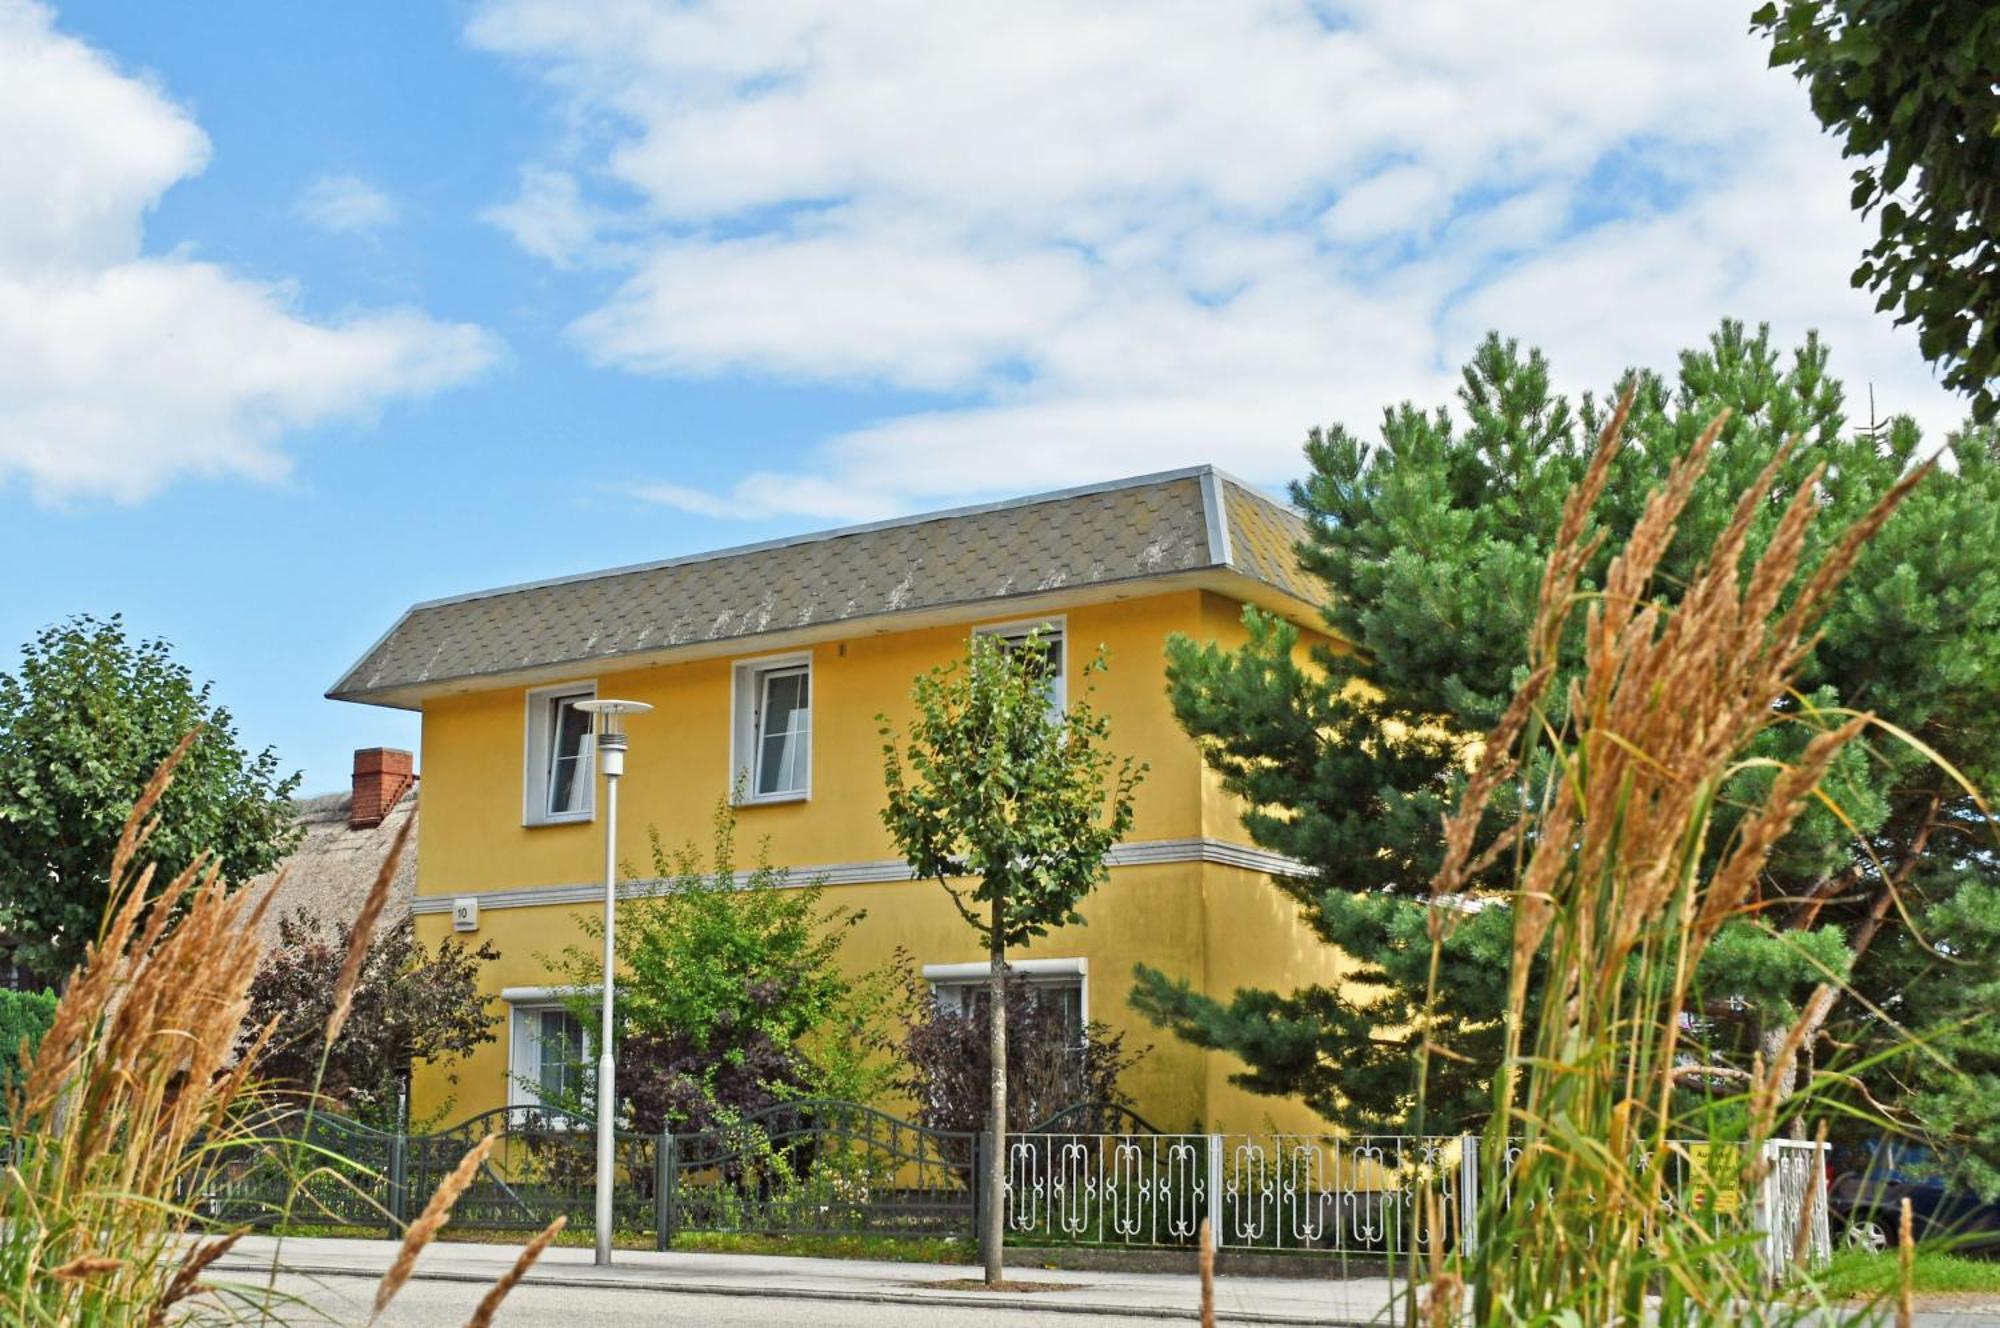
(1714, 1178)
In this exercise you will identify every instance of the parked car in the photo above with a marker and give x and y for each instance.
(1867, 1187)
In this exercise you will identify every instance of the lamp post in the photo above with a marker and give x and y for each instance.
(611, 744)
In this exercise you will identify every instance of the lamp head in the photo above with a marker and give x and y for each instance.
(611, 738)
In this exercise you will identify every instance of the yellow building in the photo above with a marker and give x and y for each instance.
(767, 666)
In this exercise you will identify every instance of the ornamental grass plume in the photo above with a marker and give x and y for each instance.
(363, 934)
(431, 1221)
(120, 1113)
(134, 1106)
(489, 1304)
(1622, 880)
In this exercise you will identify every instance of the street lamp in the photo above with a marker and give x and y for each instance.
(611, 744)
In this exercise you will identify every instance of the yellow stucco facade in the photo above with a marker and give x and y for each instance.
(1187, 895)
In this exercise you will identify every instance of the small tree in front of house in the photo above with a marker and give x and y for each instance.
(733, 995)
(993, 786)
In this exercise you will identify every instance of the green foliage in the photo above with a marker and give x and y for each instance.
(1026, 801)
(1908, 87)
(997, 788)
(1051, 1065)
(84, 721)
(24, 1017)
(410, 1004)
(731, 994)
(1430, 542)
(1858, 1274)
(1945, 975)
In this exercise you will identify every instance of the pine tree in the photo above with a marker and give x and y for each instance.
(1430, 543)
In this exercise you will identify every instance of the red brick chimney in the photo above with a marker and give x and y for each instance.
(381, 776)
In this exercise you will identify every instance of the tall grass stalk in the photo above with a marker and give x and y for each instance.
(1622, 879)
(135, 1102)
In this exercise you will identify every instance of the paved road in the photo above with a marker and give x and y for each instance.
(345, 1300)
(423, 1304)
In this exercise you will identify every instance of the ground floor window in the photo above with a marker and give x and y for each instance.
(547, 1050)
(1058, 983)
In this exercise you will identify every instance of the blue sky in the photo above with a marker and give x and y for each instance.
(308, 312)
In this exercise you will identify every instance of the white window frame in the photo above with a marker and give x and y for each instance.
(537, 737)
(1037, 972)
(525, 1006)
(1054, 628)
(746, 699)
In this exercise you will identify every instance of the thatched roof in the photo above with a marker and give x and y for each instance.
(330, 872)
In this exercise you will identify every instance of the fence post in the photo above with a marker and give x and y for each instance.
(1468, 1193)
(666, 1179)
(399, 1180)
(1215, 1192)
(1764, 1216)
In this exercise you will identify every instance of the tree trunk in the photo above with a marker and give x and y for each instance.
(1820, 1005)
(996, 1160)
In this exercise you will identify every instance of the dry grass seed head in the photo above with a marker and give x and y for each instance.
(430, 1221)
(187, 1278)
(489, 1304)
(128, 1078)
(363, 935)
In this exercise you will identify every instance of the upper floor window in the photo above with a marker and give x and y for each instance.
(1049, 634)
(561, 768)
(773, 728)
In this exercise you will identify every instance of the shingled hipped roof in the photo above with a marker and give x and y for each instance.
(1193, 524)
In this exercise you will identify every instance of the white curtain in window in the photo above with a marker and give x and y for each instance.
(784, 733)
(569, 756)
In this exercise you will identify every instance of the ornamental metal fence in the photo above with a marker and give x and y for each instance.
(1384, 1196)
(1094, 1175)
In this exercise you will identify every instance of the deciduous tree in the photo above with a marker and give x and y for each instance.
(85, 719)
(412, 1003)
(1908, 87)
(994, 787)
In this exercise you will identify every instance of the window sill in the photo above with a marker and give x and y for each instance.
(567, 818)
(773, 799)
(548, 1118)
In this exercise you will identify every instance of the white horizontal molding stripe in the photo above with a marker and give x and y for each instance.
(1145, 853)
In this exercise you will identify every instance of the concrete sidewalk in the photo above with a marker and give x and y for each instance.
(1264, 1300)
(1239, 1299)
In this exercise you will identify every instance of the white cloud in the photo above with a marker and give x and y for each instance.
(1146, 232)
(839, 305)
(549, 218)
(346, 205)
(121, 372)
(763, 494)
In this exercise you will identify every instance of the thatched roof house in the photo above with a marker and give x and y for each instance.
(347, 839)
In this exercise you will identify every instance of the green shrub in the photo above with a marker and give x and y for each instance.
(24, 1017)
